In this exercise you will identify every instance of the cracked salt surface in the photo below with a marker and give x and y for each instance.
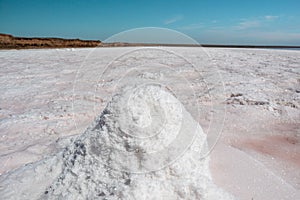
(140, 147)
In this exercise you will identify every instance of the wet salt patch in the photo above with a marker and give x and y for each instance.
(280, 147)
(278, 153)
(247, 178)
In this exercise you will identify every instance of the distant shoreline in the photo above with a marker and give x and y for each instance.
(11, 42)
(201, 45)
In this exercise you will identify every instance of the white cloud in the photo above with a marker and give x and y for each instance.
(251, 37)
(278, 36)
(173, 19)
(247, 24)
(256, 22)
(192, 26)
(270, 17)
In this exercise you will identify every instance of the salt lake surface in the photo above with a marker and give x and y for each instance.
(247, 102)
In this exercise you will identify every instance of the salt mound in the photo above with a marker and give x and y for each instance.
(145, 145)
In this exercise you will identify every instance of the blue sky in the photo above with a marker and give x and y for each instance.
(275, 22)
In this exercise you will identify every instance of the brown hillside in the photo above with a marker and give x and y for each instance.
(10, 42)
